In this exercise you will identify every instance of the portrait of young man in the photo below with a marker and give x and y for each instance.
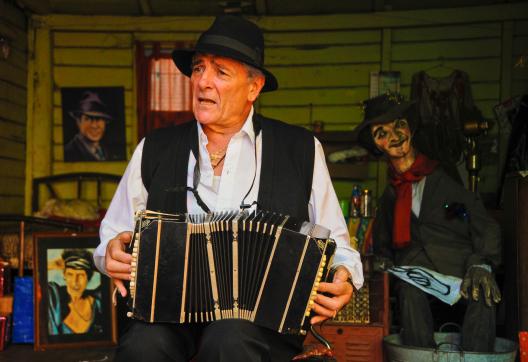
(93, 124)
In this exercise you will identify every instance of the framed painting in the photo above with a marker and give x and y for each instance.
(93, 124)
(73, 300)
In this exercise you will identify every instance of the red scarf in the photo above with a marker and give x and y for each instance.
(422, 166)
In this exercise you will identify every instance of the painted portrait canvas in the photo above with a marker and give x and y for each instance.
(93, 124)
(73, 306)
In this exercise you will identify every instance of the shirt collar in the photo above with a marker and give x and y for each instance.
(247, 128)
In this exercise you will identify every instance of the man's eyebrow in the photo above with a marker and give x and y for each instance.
(377, 130)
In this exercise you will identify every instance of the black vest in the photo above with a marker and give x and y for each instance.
(286, 172)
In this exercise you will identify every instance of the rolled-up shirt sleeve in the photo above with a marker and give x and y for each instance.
(130, 196)
(325, 211)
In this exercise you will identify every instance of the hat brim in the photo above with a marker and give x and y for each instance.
(78, 114)
(183, 59)
(394, 113)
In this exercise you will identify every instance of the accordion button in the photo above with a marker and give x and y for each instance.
(132, 283)
(133, 263)
(129, 314)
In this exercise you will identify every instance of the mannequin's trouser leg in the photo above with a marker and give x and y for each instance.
(416, 317)
(478, 329)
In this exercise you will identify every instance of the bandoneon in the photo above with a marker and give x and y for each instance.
(260, 266)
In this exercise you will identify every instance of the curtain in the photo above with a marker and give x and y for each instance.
(163, 93)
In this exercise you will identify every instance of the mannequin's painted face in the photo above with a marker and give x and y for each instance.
(393, 138)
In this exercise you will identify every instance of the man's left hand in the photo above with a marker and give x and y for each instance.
(341, 291)
(478, 277)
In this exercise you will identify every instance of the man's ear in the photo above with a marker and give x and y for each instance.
(255, 87)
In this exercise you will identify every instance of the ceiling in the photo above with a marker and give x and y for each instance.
(248, 7)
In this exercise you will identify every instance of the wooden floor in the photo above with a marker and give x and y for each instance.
(25, 353)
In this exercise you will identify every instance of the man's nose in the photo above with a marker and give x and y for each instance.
(205, 78)
(393, 135)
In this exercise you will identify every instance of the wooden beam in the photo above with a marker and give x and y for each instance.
(145, 6)
(379, 5)
(261, 7)
(386, 19)
(506, 60)
(39, 107)
(505, 85)
(386, 49)
(41, 7)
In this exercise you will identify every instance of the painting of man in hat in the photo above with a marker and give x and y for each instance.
(93, 124)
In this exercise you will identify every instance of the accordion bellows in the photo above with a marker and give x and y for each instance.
(263, 267)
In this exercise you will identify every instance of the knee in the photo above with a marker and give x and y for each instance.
(223, 340)
(143, 341)
(409, 294)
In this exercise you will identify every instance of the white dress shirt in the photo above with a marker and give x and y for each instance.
(226, 192)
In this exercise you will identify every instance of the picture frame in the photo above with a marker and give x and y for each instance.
(72, 299)
(93, 124)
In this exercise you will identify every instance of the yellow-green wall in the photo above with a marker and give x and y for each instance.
(13, 95)
(322, 63)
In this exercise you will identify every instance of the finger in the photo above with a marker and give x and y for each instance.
(329, 303)
(464, 288)
(487, 294)
(113, 266)
(119, 255)
(318, 319)
(121, 287)
(125, 236)
(463, 294)
(341, 275)
(323, 311)
(497, 297)
(475, 292)
(120, 240)
(338, 288)
(120, 276)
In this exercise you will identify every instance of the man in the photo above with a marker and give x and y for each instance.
(73, 309)
(91, 118)
(426, 219)
(228, 157)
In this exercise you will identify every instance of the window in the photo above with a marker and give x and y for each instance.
(163, 92)
(170, 89)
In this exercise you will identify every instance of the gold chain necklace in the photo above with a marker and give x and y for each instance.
(217, 157)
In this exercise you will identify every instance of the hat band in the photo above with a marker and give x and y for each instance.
(233, 44)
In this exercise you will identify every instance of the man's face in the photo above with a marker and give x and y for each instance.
(76, 281)
(93, 128)
(222, 91)
(393, 139)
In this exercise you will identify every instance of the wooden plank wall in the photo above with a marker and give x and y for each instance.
(474, 48)
(520, 58)
(322, 63)
(13, 95)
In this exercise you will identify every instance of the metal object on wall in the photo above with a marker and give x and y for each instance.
(472, 130)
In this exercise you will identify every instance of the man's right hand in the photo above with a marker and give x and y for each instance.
(117, 261)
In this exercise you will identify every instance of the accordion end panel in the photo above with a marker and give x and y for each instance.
(158, 264)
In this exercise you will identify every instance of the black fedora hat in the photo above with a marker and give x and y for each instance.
(380, 110)
(229, 36)
(91, 105)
